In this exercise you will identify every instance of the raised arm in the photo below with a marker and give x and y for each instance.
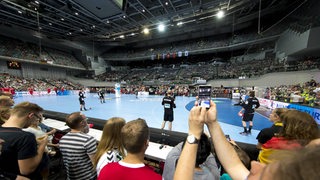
(225, 152)
(187, 160)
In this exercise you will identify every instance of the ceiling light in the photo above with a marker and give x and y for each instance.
(121, 36)
(108, 21)
(62, 19)
(146, 31)
(143, 10)
(124, 16)
(220, 14)
(166, 3)
(50, 24)
(179, 23)
(20, 12)
(76, 13)
(132, 34)
(161, 27)
(81, 30)
(37, 2)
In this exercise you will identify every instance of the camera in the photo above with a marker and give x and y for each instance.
(204, 95)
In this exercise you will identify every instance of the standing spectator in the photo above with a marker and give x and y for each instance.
(8, 176)
(135, 138)
(299, 128)
(267, 133)
(81, 100)
(78, 149)
(22, 152)
(6, 101)
(206, 166)
(168, 104)
(4, 114)
(249, 107)
(110, 148)
(297, 165)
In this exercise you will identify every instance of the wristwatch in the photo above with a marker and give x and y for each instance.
(191, 139)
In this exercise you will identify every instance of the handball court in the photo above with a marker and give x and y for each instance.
(149, 108)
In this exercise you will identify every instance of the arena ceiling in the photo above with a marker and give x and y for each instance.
(107, 22)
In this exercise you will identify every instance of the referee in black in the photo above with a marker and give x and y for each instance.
(249, 107)
(168, 104)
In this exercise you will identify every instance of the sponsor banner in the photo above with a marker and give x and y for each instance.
(272, 104)
(143, 94)
(314, 112)
(41, 93)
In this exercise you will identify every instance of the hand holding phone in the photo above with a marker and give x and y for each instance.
(204, 96)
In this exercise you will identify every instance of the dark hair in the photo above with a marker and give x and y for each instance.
(252, 93)
(204, 149)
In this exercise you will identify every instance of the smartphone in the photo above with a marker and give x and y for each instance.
(204, 96)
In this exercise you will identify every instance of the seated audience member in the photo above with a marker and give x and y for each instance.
(22, 152)
(135, 138)
(303, 164)
(78, 149)
(267, 133)
(48, 130)
(205, 168)
(299, 128)
(110, 148)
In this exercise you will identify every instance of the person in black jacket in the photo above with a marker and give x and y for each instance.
(249, 107)
(168, 104)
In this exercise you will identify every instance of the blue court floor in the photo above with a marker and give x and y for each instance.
(149, 108)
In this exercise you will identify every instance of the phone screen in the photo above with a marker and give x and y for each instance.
(204, 96)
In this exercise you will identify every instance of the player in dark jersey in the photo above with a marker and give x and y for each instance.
(249, 107)
(168, 104)
(81, 100)
(101, 96)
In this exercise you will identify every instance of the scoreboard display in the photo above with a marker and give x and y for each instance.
(13, 65)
